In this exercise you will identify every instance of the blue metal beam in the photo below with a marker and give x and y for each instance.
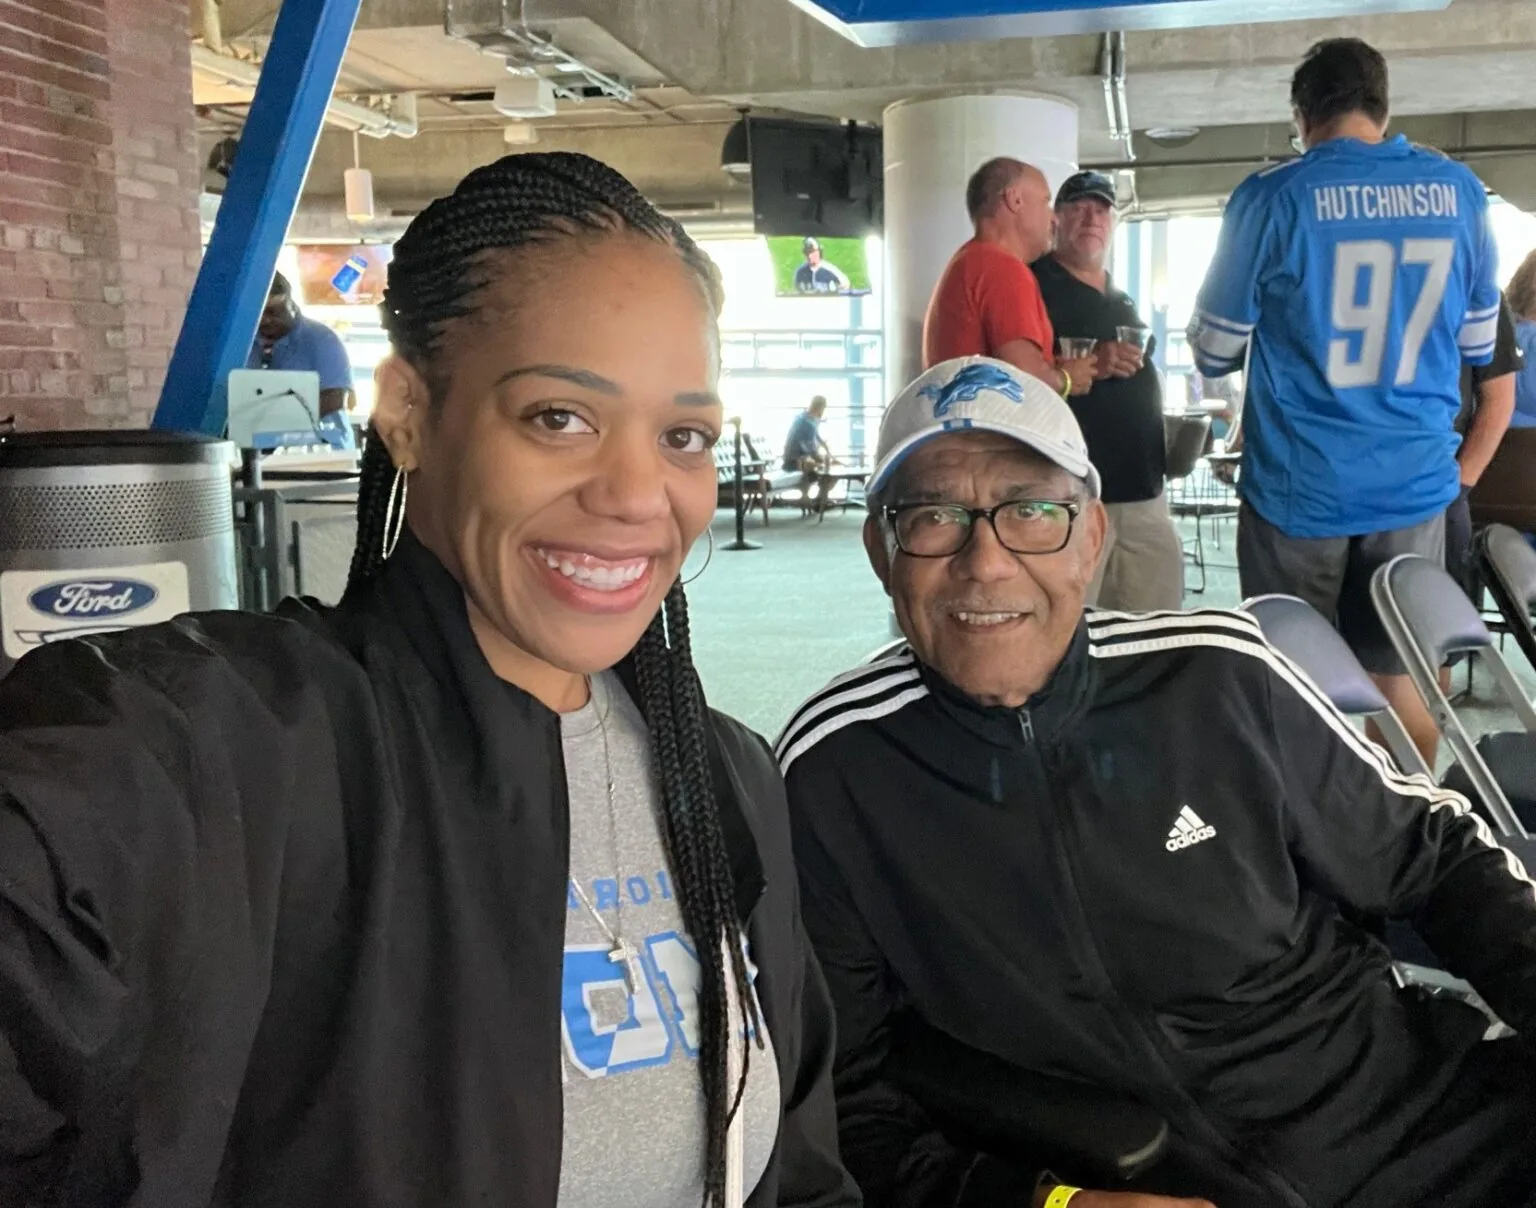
(896, 22)
(297, 78)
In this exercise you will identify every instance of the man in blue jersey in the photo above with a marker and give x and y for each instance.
(1355, 280)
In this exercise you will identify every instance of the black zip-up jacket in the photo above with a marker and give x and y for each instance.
(1137, 881)
(282, 915)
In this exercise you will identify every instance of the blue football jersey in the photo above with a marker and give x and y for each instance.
(1356, 280)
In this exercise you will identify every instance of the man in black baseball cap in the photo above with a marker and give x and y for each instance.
(1142, 569)
(1084, 185)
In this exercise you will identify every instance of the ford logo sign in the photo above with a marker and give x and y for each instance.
(91, 599)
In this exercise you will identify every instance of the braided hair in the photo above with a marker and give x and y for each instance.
(440, 264)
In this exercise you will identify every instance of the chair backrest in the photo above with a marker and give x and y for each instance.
(1511, 557)
(1508, 570)
(1427, 616)
(1432, 606)
(1305, 637)
(1184, 437)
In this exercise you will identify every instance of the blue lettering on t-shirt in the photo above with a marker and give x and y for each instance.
(642, 1038)
(661, 1013)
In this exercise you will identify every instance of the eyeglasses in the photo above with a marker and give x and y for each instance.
(1023, 526)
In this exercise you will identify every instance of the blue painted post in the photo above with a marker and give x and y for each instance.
(297, 79)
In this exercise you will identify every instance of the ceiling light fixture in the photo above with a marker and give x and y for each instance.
(1173, 136)
(357, 184)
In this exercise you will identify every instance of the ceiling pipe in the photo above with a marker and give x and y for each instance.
(1107, 76)
(1122, 105)
(401, 121)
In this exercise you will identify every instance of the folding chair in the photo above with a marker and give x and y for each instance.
(1507, 566)
(1428, 617)
(1304, 636)
(1185, 438)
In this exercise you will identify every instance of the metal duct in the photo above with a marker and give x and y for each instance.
(1117, 110)
(494, 29)
(401, 121)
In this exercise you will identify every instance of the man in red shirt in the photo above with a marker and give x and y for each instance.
(987, 302)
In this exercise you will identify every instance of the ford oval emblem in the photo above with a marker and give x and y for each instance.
(92, 599)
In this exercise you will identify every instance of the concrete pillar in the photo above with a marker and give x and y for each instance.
(931, 148)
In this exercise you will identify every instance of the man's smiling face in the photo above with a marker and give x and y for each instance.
(992, 622)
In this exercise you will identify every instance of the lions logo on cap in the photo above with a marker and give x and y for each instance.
(968, 385)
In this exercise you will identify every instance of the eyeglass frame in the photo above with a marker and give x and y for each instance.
(891, 511)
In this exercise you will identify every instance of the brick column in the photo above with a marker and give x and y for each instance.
(98, 206)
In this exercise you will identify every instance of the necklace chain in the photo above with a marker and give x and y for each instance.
(623, 952)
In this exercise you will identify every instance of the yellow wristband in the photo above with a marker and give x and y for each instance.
(1066, 389)
(1060, 1197)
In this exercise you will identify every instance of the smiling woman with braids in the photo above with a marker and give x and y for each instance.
(455, 894)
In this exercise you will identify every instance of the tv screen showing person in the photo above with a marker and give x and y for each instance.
(812, 267)
(818, 275)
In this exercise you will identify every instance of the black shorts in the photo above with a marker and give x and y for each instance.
(1333, 574)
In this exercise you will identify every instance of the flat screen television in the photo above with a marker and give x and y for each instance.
(341, 275)
(817, 179)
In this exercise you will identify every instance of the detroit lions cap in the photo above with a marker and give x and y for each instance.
(980, 394)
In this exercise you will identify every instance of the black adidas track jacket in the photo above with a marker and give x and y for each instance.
(1146, 879)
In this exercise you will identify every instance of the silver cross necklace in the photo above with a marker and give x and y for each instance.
(622, 952)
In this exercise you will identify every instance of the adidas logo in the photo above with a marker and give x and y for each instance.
(1188, 829)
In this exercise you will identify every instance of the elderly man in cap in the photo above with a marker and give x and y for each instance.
(1140, 852)
(1122, 415)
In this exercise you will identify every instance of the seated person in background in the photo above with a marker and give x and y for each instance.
(804, 450)
(1132, 852)
(285, 339)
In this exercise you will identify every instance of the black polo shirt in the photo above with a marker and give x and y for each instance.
(1121, 418)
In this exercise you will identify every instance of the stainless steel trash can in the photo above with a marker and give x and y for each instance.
(107, 530)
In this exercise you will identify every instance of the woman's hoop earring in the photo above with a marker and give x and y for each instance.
(394, 511)
(708, 558)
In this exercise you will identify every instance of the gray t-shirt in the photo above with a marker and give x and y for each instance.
(634, 1107)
